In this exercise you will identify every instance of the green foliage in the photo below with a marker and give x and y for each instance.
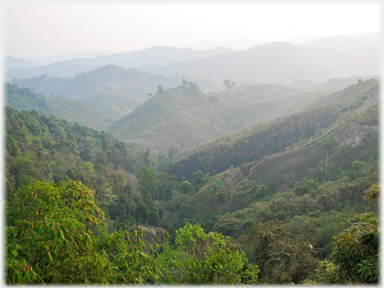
(185, 187)
(356, 252)
(55, 235)
(357, 102)
(219, 190)
(198, 181)
(147, 181)
(231, 226)
(281, 227)
(58, 177)
(306, 186)
(352, 175)
(323, 274)
(48, 148)
(322, 230)
(201, 258)
(330, 143)
(147, 158)
(281, 256)
(368, 117)
(357, 165)
(372, 193)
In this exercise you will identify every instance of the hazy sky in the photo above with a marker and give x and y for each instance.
(43, 28)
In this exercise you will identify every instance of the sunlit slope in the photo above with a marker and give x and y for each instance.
(263, 140)
(348, 95)
(182, 117)
(355, 138)
(274, 138)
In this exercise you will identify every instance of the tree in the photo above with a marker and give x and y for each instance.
(198, 181)
(147, 181)
(219, 190)
(227, 83)
(147, 158)
(355, 250)
(160, 90)
(184, 82)
(55, 234)
(185, 187)
(281, 256)
(356, 253)
(330, 143)
(173, 152)
(201, 258)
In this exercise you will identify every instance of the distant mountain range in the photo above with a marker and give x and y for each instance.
(159, 55)
(14, 63)
(279, 63)
(83, 54)
(234, 44)
(344, 42)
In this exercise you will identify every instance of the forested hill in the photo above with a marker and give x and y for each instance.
(313, 188)
(112, 90)
(181, 117)
(278, 135)
(74, 111)
(273, 139)
(45, 148)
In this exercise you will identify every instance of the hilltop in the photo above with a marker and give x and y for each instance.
(181, 117)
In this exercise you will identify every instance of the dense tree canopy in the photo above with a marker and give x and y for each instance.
(201, 258)
(55, 234)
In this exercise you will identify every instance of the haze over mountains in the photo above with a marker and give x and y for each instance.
(295, 76)
(160, 55)
(279, 63)
(359, 56)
